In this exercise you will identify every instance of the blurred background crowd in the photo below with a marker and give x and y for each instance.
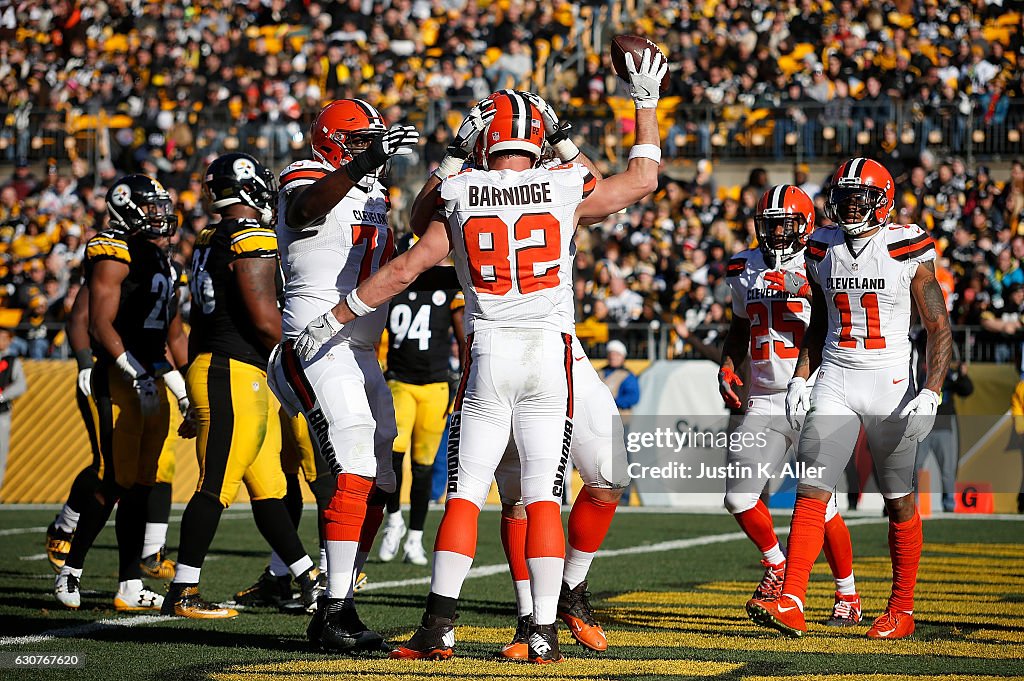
(766, 91)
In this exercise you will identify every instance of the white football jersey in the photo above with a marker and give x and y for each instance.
(512, 235)
(323, 263)
(777, 319)
(868, 293)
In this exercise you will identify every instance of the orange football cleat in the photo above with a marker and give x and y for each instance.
(518, 647)
(892, 624)
(574, 609)
(783, 614)
(433, 640)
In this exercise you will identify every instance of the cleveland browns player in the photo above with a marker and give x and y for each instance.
(131, 316)
(420, 326)
(235, 323)
(333, 233)
(769, 325)
(863, 273)
(519, 325)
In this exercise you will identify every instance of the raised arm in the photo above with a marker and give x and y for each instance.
(309, 205)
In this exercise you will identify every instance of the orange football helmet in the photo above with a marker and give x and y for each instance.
(517, 126)
(343, 129)
(784, 220)
(860, 196)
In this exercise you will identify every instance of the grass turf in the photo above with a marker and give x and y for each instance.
(669, 614)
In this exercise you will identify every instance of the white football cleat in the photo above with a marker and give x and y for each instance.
(414, 552)
(65, 588)
(394, 530)
(133, 596)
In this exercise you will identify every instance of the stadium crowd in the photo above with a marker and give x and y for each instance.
(179, 83)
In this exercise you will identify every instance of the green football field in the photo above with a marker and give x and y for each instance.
(669, 591)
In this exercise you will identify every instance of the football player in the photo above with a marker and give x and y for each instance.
(333, 233)
(235, 323)
(154, 562)
(131, 316)
(519, 322)
(420, 326)
(770, 325)
(863, 273)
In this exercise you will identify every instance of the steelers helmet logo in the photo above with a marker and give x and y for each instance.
(121, 195)
(244, 169)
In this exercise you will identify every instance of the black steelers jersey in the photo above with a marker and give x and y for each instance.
(220, 320)
(419, 335)
(147, 295)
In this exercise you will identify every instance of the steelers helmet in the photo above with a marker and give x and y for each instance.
(238, 178)
(138, 204)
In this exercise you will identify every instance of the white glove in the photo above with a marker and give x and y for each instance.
(475, 122)
(645, 80)
(920, 414)
(85, 381)
(798, 401)
(130, 366)
(146, 388)
(556, 133)
(176, 384)
(317, 332)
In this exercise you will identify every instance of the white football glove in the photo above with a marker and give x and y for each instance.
(920, 414)
(645, 79)
(176, 384)
(798, 402)
(398, 139)
(317, 332)
(85, 381)
(149, 398)
(475, 122)
(556, 133)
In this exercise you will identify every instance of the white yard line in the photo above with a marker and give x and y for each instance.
(83, 629)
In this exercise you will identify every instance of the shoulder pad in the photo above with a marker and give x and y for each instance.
(108, 246)
(301, 173)
(249, 239)
(736, 266)
(909, 242)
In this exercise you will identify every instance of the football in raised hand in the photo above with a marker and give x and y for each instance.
(621, 44)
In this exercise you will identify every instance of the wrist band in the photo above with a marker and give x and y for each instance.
(358, 307)
(450, 165)
(84, 359)
(566, 149)
(651, 151)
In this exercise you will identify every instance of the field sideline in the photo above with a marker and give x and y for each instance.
(669, 590)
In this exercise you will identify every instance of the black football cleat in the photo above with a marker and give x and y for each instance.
(336, 628)
(434, 640)
(543, 644)
(269, 591)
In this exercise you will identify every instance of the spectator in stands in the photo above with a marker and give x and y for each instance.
(624, 305)
(620, 380)
(1005, 320)
(12, 386)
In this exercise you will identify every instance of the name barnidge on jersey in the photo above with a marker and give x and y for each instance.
(524, 194)
(843, 283)
(763, 293)
(372, 218)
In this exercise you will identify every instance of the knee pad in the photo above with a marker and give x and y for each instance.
(738, 502)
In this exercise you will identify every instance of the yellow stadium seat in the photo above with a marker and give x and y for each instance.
(10, 317)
